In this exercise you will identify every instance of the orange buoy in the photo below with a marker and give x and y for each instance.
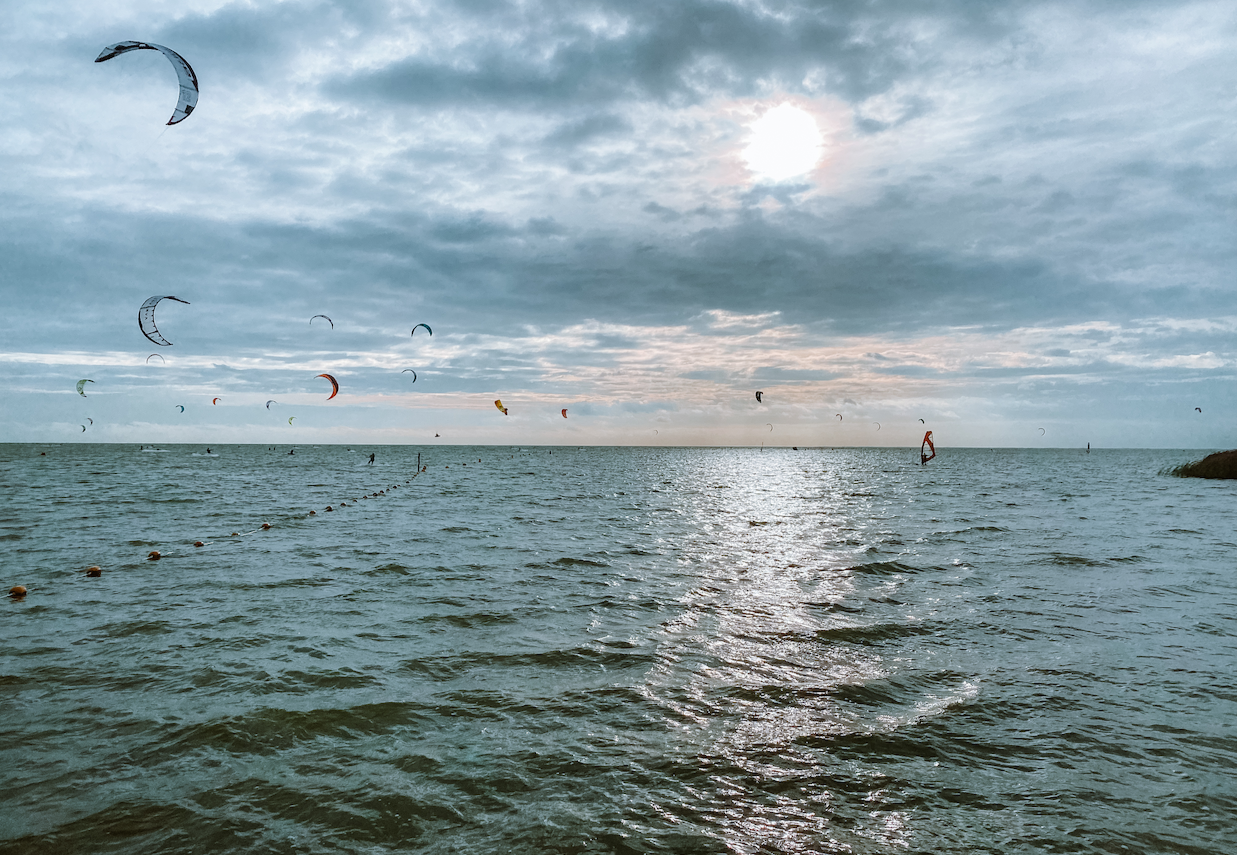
(329, 508)
(313, 513)
(198, 543)
(154, 555)
(265, 526)
(235, 534)
(94, 572)
(17, 591)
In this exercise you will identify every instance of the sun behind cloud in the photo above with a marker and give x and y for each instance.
(785, 143)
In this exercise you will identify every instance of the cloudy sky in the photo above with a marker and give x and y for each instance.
(1014, 220)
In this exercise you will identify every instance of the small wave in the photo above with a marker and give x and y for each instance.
(577, 562)
(137, 627)
(1064, 559)
(470, 621)
(389, 569)
(882, 568)
(444, 667)
(268, 730)
(869, 633)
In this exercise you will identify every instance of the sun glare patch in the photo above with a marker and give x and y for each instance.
(785, 143)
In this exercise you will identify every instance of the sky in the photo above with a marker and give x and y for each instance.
(1014, 221)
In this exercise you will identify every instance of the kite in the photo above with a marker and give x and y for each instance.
(500, 406)
(878, 425)
(427, 329)
(927, 443)
(334, 386)
(272, 401)
(89, 419)
(839, 415)
(770, 427)
(921, 421)
(153, 355)
(81, 387)
(182, 407)
(1042, 431)
(188, 80)
(414, 374)
(290, 418)
(1198, 409)
(760, 397)
(324, 317)
(146, 320)
(564, 412)
(214, 401)
(83, 428)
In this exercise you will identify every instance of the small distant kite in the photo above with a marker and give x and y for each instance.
(564, 412)
(325, 318)
(1042, 431)
(878, 425)
(83, 428)
(760, 396)
(214, 401)
(89, 419)
(839, 415)
(427, 329)
(184, 73)
(770, 427)
(1198, 409)
(153, 355)
(182, 407)
(146, 320)
(334, 386)
(81, 387)
(921, 421)
(272, 401)
(414, 374)
(290, 418)
(500, 406)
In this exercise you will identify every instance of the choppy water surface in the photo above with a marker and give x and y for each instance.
(616, 650)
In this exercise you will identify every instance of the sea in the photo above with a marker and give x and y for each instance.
(615, 650)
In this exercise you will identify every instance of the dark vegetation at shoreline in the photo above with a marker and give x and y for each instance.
(1222, 464)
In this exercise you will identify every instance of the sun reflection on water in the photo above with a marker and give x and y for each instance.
(746, 674)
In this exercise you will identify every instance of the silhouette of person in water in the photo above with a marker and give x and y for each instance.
(208, 451)
(371, 460)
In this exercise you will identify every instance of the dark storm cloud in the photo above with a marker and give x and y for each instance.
(599, 125)
(520, 55)
(472, 270)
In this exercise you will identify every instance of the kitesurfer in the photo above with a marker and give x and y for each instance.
(371, 460)
(927, 443)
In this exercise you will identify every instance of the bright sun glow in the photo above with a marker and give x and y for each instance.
(785, 143)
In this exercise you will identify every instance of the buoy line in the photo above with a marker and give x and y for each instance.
(157, 555)
(18, 592)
